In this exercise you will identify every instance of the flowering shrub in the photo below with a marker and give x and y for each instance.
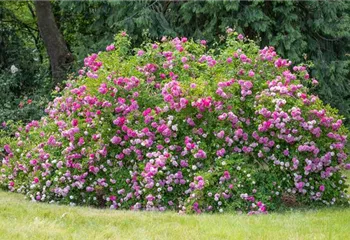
(176, 126)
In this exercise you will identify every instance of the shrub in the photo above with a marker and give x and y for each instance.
(24, 94)
(176, 126)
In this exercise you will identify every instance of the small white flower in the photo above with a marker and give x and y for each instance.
(174, 127)
(13, 69)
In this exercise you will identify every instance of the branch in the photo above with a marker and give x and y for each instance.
(31, 10)
(327, 39)
(14, 17)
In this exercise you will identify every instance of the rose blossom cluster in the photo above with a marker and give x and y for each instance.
(173, 127)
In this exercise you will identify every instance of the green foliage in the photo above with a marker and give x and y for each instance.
(22, 102)
(24, 75)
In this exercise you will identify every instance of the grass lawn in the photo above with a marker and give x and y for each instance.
(21, 219)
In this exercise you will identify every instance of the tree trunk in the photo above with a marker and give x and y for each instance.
(59, 55)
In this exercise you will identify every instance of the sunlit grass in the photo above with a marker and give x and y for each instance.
(21, 219)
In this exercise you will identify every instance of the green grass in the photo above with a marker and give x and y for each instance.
(21, 219)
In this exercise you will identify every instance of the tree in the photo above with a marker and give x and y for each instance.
(59, 55)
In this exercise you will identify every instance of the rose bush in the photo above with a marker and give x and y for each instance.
(174, 125)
